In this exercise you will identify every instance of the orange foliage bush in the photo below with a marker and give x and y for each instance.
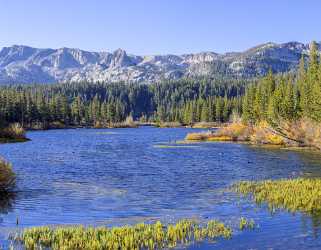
(263, 134)
(304, 131)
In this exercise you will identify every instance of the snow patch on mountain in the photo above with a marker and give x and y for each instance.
(23, 64)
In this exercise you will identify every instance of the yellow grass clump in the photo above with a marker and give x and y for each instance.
(140, 236)
(293, 195)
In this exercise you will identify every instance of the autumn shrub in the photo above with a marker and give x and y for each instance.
(311, 132)
(302, 132)
(263, 134)
(237, 131)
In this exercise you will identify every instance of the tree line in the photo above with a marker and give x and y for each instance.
(86, 104)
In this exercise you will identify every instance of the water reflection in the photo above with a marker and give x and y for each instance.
(316, 223)
(6, 201)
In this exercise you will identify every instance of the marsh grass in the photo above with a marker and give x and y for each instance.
(140, 236)
(7, 176)
(293, 195)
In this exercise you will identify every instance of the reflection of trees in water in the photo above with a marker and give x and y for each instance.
(6, 201)
(312, 222)
(316, 223)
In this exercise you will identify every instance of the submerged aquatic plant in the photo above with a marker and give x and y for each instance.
(246, 224)
(294, 195)
(140, 236)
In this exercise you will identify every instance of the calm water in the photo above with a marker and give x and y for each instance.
(119, 176)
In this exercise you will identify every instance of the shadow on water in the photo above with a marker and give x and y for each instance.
(7, 200)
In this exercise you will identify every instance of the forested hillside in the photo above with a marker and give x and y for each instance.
(100, 104)
(287, 97)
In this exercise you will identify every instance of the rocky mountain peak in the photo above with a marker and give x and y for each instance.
(23, 64)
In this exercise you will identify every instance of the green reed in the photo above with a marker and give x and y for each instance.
(293, 195)
(140, 236)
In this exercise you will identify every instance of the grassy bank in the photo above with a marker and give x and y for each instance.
(293, 195)
(7, 177)
(140, 236)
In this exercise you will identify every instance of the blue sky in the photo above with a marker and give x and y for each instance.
(158, 26)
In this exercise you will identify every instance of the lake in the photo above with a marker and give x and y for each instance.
(125, 176)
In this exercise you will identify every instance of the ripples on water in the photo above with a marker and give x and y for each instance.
(119, 176)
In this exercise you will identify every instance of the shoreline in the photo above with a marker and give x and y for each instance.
(260, 136)
(11, 140)
(136, 125)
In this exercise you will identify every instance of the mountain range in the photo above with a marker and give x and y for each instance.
(23, 64)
